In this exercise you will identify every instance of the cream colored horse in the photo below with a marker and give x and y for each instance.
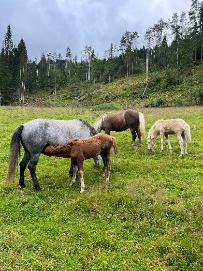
(170, 126)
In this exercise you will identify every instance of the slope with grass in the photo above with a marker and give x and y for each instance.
(169, 87)
(148, 218)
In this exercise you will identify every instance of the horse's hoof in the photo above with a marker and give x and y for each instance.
(22, 186)
(37, 187)
(82, 190)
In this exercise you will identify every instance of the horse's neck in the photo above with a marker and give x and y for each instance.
(98, 124)
(154, 132)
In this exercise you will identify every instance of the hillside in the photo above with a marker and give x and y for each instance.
(169, 87)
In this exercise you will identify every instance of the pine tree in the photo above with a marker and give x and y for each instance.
(8, 72)
(23, 75)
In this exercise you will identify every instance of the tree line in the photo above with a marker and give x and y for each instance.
(176, 43)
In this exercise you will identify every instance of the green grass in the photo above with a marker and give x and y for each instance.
(148, 218)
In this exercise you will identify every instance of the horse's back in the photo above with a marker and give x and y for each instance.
(40, 132)
(114, 122)
(170, 125)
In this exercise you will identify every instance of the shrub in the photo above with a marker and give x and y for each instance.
(200, 97)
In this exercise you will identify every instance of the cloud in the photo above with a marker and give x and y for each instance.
(49, 26)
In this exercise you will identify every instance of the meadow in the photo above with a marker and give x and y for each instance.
(150, 216)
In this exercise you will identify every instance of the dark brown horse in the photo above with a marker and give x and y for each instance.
(81, 149)
(122, 120)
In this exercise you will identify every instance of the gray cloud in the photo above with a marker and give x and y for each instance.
(49, 26)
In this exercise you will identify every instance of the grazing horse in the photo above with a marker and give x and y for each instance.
(170, 126)
(35, 135)
(81, 149)
(120, 121)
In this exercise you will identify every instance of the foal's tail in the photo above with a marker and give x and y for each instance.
(115, 146)
(142, 124)
(14, 153)
(187, 132)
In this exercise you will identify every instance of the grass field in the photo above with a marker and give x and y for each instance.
(150, 217)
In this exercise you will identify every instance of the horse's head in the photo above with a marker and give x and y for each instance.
(150, 142)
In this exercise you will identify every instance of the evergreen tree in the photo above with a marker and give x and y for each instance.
(110, 65)
(88, 55)
(42, 72)
(128, 45)
(31, 80)
(175, 29)
(201, 30)
(68, 62)
(22, 62)
(194, 23)
(8, 69)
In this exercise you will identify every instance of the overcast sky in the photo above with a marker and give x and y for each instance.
(49, 26)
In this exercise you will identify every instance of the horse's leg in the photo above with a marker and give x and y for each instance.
(162, 141)
(169, 143)
(97, 161)
(32, 168)
(23, 165)
(71, 169)
(75, 171)
(108, 167)
(180, 139)
(103, 156)
(134, 137)
(139, 136)
(81, 172)
(107, 131)
(184, 143)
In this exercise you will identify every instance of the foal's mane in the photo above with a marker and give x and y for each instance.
(151, 131)
(154, 131)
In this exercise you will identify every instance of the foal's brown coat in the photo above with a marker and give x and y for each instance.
(81, 149)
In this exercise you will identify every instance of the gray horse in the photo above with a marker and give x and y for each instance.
(37, 134)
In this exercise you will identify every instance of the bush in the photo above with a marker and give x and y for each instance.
(171, 78)
(201, 97)
(164, 80)
(157, 103)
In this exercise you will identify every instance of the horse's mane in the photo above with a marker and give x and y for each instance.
(154, 131)
(93, 131)
(98, 123)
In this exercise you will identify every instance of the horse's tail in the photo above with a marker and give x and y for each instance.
(115, 146)
(142, 124)
(187, 132)
(14, 153)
